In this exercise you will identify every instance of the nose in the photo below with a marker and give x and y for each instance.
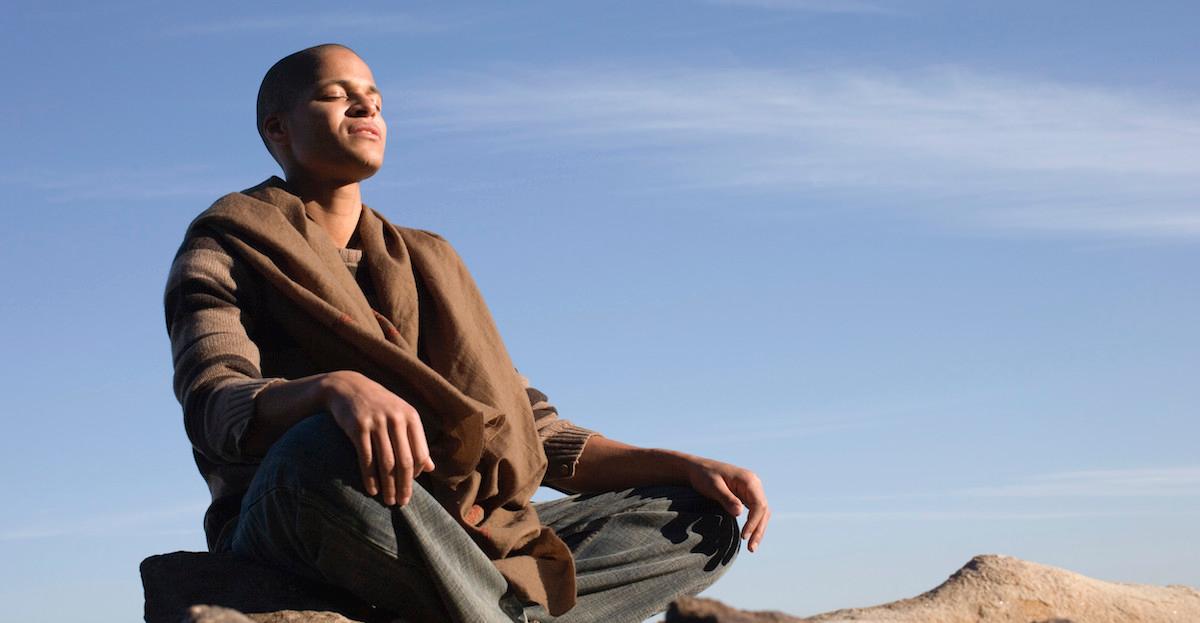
(363, 106)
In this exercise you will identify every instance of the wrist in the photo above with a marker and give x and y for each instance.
(332, 386)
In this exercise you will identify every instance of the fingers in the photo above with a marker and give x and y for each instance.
(756, 525)
(362, 446)
(726, 498)
(760, 531)
(387, 435)
(402, 473)
(422, 461)
(385, 464)
(760, 513)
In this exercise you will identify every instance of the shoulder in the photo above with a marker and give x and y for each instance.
(201, 233)
(203, 254)
(424, 235)
(258, 201)
(203, 259)
(433, 248)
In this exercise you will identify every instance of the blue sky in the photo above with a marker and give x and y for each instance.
(928, 267)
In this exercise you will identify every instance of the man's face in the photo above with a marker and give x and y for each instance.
(336, 131)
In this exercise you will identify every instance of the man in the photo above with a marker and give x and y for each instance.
(359, 422)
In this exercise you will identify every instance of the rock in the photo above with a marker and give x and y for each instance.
(298, 616)
(217, 614)
(224, 587)
(697, 609)
(992, 589)
(988, 589)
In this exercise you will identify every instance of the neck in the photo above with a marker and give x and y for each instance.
(335, 206)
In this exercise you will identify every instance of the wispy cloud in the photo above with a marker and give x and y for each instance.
(961, 515)
(1174, 482)
(816, 422)
(813, 6)
(142, 520)
(951, 144)
(1082, 494)
(139, 182)
(314, 23)
(1177, 483)
(768, 434)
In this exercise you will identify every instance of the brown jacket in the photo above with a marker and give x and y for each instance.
(259, 293)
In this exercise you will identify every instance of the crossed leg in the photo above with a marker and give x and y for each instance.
(635, 550)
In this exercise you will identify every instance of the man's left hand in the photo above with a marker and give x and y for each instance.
(733, 487)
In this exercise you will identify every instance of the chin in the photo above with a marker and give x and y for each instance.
(361, 170)
(370, 170)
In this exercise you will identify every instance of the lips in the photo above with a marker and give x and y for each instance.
(366, 129)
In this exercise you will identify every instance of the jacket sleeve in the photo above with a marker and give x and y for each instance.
(210, 320)
(562, 441)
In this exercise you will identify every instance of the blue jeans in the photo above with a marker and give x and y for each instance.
(635, 550)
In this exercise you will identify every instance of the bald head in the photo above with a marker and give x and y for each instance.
(287, 80)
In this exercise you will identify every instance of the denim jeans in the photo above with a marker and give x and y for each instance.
(635, 550)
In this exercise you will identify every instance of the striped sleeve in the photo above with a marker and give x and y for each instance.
(217, 375)
(562, 440)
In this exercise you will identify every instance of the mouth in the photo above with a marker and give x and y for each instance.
(366, 129)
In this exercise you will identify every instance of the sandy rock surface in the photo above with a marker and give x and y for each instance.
(217, 614)
(992, 589)
(988, 589)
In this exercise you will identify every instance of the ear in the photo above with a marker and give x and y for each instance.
(275, 129)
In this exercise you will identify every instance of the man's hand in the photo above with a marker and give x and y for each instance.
(386, 432)
(609, 465)
(733, 486)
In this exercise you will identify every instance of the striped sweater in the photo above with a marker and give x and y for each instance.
(225, 352)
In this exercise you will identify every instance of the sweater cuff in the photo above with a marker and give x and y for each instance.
(563, 448)
(236, 403)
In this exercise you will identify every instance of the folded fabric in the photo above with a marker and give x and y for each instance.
(432, 341)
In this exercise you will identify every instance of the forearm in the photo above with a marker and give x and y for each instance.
(609, 465)
(281, 405)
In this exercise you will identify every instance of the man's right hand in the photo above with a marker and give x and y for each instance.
(386, 432)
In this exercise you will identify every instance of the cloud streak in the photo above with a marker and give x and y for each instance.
(313, 23)
(1173, 482)
(1087, 494)
(143, 521)
(950, 144)
(936, 515)
(808, 6)
(143, 182)
(816, 422)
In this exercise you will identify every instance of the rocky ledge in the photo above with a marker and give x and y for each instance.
(992, 589)
(211, 588)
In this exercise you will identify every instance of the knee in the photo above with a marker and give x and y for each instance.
(306, 491)
(719, 537)
(701, 526)
(313, 454)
